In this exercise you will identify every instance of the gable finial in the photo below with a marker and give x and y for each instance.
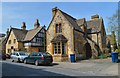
(54, 10)
(10, 26)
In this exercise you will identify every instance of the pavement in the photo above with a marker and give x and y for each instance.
(98, 67)
(95, 67)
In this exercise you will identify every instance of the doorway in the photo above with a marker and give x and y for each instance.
(88, 51)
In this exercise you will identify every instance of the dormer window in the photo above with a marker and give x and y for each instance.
(58, 28)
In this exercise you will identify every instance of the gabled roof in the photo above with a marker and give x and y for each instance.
(19, 33)
(94, 25)
(31, 33)
(24, 35)
(81, 21)
(72, 21)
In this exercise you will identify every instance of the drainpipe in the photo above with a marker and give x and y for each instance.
(44, 38)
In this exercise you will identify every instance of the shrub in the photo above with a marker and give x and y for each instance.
(117, 50)
(102, 57)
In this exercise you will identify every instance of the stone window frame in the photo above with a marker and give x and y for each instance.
(59, 47)
(9, 42)
(9, 50)
(59, 29)
(14, 40)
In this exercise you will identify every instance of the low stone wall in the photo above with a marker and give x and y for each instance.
(60, 58)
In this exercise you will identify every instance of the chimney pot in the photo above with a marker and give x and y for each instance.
(23, 26)
(37, 24)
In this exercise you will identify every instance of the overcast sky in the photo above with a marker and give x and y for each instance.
(14, 13)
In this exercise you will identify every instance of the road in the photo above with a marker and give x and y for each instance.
(20, 69)
(60, 69)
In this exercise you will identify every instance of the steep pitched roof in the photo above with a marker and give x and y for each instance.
(31, 33)
(94, 25)
(72, 21)
(19, 33)
(81, 21)
(24, 35)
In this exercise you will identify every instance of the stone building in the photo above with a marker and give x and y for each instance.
(96, 35)
(111, 42)
(26, 40)
(67, 35)
(2, 42)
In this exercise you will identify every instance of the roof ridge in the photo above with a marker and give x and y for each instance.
(80, 19)
(19, 29)
(28, 36)
(93, 20)
(72, 20)
(68, 15)
(35, 28)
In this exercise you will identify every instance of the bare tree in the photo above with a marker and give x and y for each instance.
(114, 24)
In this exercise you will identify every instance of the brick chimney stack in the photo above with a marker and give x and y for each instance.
(37, 24)
(94, 17)
(23, 26)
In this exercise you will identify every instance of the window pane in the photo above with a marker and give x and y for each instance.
(39, 55)
(63, 49)
(9, 42)
(59, 48)
(60, 28)
(55, 48)
(56, 28)
(14, 40)
(59, 51)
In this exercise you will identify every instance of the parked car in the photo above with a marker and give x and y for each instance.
(18, 56)
(39, 58)
(8, 56)
(3, 56)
